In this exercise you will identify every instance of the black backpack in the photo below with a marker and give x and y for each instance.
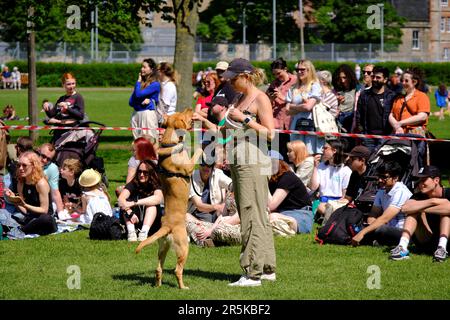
(341, 227)
(104, 227)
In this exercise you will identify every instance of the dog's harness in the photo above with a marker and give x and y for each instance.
(169, 174)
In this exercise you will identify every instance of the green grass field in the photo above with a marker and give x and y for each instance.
(38, 268)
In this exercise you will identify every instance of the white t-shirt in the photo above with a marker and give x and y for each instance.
(167, 98)
(396, 198)
(333, 179)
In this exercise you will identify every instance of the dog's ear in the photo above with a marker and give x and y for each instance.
(164, 121)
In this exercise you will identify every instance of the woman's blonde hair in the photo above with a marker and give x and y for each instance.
(73, 165)
(300, 151)
(37, 172)
(312, 75)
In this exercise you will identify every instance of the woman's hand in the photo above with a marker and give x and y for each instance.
(236, 114)
(54, 121)
(46, 106)
(340, 99)
(198, 116)
(205, 233)
(357, 239)
(146, 101)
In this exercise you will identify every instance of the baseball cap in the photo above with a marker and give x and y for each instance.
(274, 154)
(361, 152)
(428, 171)
(220, 100)
(222, 65)
(238, 66)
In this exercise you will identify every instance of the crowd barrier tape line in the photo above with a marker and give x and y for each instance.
(304, 133)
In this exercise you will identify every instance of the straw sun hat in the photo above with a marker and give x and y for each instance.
(89, 178)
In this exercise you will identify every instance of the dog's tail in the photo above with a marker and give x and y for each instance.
(163, 231)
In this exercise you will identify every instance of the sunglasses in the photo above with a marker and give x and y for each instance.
(300, 69)
(367, 72)
(43, 156)
(384, 177)
(144, 172)
(22, 165)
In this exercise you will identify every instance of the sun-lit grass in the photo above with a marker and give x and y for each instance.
(37, 268)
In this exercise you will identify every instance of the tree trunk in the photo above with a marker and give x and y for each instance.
(186, 20)
(32, 91)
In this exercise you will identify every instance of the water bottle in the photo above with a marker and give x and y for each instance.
(116, 212)
(356, 228)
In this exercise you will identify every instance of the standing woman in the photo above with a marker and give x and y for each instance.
(277, 93)
(35, 200)
(250, 170)
(212, 82)
(344, 83)
(168, 79)
(410, 112)
(145, 99)
(301, 99)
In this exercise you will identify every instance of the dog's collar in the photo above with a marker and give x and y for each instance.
(169, 174)
(169, 145)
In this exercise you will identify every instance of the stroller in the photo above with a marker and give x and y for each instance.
(411, 155)
(81, 145)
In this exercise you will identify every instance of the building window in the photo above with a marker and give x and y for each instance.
(448, 24)
(444, 3)
(442, 24)
(446, 53)
(415, 39)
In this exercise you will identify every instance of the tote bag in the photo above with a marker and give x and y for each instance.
(324, 120)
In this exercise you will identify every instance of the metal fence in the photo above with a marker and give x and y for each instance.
(127, 53)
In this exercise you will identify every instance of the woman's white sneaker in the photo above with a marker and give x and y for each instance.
(269, 276)
(245, 281)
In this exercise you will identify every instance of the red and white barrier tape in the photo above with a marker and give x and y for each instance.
(309, 133)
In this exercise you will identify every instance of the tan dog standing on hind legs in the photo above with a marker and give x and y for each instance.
(175, 171)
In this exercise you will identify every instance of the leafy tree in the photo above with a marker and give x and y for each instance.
(335, 19)
(219, 31)
(258, 20)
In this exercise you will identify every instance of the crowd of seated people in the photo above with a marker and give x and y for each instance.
(309, 175)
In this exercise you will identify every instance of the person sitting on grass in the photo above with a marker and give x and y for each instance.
(288, 197)
(95, 196)
(140, 202)
(301, 160)
(428, 217)
(70, 188)
(224, 231)
(34, 197)
(207, 192)
(386, 220)
(332, 176)
(143, 148)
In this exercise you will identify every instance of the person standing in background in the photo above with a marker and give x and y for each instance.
(144, 100)
(276, 92)
(168, 79)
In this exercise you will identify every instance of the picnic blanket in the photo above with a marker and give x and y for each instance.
(14, 232)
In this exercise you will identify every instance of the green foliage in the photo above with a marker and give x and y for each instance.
(258, 20)
(118, 22)
(336, 17)
(123, 75)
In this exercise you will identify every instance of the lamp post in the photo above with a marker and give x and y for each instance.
(244, 27)
(274, 22)
(302, 39)
(381, 6)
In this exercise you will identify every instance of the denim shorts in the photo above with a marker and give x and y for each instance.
(303, 217)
